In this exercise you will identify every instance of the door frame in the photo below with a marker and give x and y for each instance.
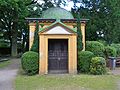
(43, 51)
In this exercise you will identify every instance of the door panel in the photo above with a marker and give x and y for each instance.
(57, 55)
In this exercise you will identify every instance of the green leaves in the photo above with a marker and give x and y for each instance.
(12, 18)
(84, 60)
(98, 66)
(30, 62)
(104, 20)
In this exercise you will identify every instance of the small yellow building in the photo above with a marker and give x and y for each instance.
(57, 41)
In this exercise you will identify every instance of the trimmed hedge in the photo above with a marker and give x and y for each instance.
(117, 47)
(96, 47)
(98, 66)
(84, 60)
(30, 62)
(110, 51)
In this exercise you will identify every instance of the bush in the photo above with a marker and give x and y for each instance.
(98, 66)
(110, 51)
(117, 47)
(96, 47)
(103, 42)
(84, 60)
(30, 62)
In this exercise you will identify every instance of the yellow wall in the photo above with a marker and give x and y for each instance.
(32, 29)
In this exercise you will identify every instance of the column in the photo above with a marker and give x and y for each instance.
(83, 34)
(32, 27)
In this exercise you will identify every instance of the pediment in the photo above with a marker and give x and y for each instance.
(57, 28)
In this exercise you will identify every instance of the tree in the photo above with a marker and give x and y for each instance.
(76, 13)
(12, 13)
(104, 19)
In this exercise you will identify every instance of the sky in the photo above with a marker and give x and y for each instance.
(67, 7)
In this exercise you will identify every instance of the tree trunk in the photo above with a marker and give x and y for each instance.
(14, 40)
(14, 46)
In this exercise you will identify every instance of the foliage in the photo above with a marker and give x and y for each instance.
(12, 19)
(103, 42)
(35, 10)
(4, 44)
(98, 66)
(79, 38)
(117, 47)
(35, 46)
(30, 62)
(110, 51)
(96, 47)
(84, 60)
(104, 20)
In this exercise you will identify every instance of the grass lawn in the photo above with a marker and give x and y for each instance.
(66, 82)
(4, 64)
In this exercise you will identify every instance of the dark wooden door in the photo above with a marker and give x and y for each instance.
(57, 55)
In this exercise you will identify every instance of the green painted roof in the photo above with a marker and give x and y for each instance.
(57, 13)
(42, 29)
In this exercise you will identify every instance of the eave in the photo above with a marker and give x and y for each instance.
(53, 20)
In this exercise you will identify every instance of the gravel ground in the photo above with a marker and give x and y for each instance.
(8, 74)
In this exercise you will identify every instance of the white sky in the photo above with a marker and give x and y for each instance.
(67, 7)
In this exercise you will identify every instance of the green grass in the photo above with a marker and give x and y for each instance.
(66, 82)
(4, 64)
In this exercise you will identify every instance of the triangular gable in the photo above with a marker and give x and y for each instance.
(58, 28)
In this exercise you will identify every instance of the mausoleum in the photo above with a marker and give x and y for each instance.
(57, 40)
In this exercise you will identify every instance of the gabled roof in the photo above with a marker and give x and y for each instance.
(58, 23)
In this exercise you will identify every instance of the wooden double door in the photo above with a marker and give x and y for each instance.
(57, 56)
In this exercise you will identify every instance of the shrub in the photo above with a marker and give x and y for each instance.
(96, 47)
(30, 62)
(98, 66)
(117, 47)
(103, 42)
(110, 51)
(84, 59)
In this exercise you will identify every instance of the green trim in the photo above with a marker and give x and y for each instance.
(58, 21)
